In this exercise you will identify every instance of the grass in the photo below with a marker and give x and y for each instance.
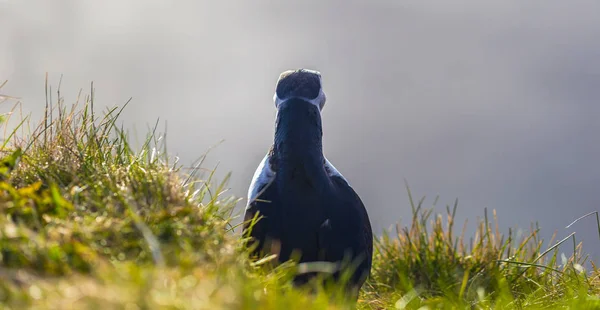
(90, 222)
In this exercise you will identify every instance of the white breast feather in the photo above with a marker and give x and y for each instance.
(262, 176)
(331, 171)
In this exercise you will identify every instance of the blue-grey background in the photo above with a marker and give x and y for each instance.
(493, 102)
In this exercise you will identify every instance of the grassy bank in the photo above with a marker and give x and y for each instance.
(89, 222)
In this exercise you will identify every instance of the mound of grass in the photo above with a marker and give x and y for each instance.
(88, 221)
(430, 267)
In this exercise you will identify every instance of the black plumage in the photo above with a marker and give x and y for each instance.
(306, 205)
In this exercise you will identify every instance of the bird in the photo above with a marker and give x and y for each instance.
(298, 202)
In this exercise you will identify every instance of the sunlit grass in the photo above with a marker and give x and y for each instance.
(91, 222)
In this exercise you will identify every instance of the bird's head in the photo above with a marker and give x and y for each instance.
(301, 84)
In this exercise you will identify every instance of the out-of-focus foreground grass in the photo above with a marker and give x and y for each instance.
(88, 221)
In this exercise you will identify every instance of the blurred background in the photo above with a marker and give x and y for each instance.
(491, 102)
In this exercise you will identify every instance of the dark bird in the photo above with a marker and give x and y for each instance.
(304, 204)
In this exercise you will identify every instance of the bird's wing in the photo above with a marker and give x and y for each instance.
(357, 213)
(263, 176)
(260, 191)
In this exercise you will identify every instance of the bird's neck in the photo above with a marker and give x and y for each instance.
(298, 148)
